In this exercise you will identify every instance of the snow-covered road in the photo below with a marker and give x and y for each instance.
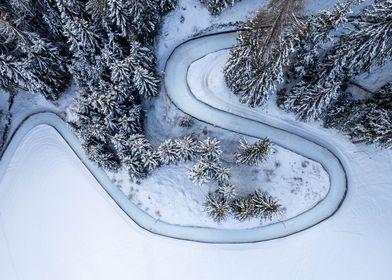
(223, 114)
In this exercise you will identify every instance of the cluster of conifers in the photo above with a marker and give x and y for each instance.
(311, 60)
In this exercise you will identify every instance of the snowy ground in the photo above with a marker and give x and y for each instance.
(66, 227)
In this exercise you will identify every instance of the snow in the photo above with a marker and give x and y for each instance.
(67, 227)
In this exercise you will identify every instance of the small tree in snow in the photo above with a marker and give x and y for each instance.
(265, 206)
(217, 207)
(227, 190)
(243, 208)
(209, 149)
(169, 152)
(185, 121)
(167, 5)
(215, 7)
(252, 154)
(187, 147)
(200, 172)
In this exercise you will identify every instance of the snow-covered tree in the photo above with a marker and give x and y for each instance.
(215, 7)
(265, 206)
(169, 152)
(206, 170)
(138, 156)
(243, 208)
(209, 149)
(227, 190)
(221, 174)
(29, 57)
(187, 148)
(252, 154)
(185, 121)
(144, 17)
(150, 159)
(256, 63)
(367, 120)
(317, 34)
(217, 207)
(167, 5)
(367, 45)
(200, 172)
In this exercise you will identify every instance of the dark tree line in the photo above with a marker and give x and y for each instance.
(104, 46)
(310, 60)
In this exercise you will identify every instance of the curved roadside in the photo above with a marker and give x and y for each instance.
(281, 133)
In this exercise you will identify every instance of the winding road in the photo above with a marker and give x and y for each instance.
(281, 133)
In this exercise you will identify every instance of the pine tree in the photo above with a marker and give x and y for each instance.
(185, 121)
(215, 7)
(256, 64)
(252, 154)
(217, 207)
(29, 58)
(318, 33)
(169, 152)
(221, 174)
(144, 16)
(167, 5)
(368, 120)
(138, 156)
(243, 208)
(187, 148)
(227, 190)
(366, 46)
(265, 206)
(209, 149)
(202, 172)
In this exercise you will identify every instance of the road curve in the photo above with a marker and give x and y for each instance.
(281, 133)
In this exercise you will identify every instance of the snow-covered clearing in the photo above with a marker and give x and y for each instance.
(169, 195)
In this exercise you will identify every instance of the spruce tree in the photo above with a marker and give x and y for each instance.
(243, 208)
(215, 7)
(366, 46)
(257, 61)
(367, 120)
(265, 207)
(252, 154)
(30, 59)
(227, 190)
(217, 207)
